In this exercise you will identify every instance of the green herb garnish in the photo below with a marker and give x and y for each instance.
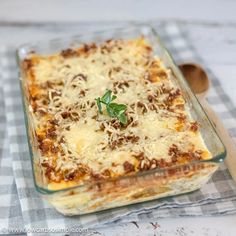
(113, 109)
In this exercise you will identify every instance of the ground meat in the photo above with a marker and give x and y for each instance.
(173, 150)
(65, 114)
(106, 173)
(151, 98)
(116, 124)
(128, 167)
(172, 96)
(88, 47)
(122, 139)
(27, 64)
(48, 169)
(69, 176)
(82, 93)
(194, 126)
(53, 122)
(68, 53)
(45, 146)
(51, 133)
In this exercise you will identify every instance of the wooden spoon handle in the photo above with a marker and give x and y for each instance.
(230, 159)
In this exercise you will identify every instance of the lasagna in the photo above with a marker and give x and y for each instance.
(77, 143)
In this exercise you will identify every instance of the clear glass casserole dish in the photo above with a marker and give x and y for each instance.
(143, 186)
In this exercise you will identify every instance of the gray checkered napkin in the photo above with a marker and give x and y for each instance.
(10, 210)
(217, 197)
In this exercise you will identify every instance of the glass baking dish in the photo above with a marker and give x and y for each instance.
(143, 186)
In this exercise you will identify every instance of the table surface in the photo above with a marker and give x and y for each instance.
(211, 25)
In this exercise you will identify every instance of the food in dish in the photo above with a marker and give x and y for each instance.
(78, 145)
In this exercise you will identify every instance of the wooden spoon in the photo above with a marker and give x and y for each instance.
(199, 83)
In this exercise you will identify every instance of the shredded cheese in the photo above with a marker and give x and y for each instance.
(83, 144)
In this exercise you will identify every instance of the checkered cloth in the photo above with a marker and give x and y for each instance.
(10, 210)
(217, 197)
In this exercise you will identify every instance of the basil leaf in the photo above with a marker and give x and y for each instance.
(116, 109)
(106, 98)
(99, 105)
(110, 111)
(113, 98)
(123, 118)
(113, 109)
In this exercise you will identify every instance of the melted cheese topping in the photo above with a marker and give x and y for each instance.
(77, 143)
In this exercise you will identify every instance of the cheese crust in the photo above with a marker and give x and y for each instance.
(77, 144)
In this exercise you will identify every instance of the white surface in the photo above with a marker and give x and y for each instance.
(107, 10)
(213, 34)
(207, 226)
